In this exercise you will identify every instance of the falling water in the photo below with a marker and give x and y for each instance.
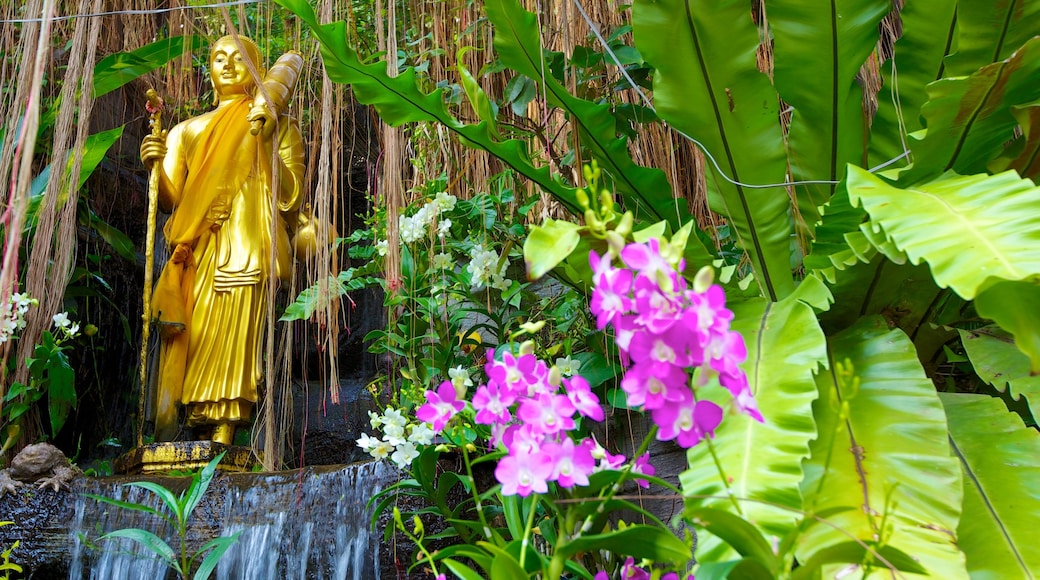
(297, 525)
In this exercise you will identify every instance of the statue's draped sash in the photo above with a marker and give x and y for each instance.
(218, 163)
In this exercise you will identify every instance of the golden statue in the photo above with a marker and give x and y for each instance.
(232, 179)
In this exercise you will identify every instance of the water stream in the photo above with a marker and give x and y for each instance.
(310, 524)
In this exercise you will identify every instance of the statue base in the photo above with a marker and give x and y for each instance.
(159, 458)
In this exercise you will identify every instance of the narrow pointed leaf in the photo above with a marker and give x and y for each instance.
(968, 228)
(707, 85)
(171, 501)
(126, 505)
(762, 461)
(969, 119)
(200, 484)
(398, 100)
(990, 31)
(647, 191)
(150, 541)
(928, 31)
(216, 549)
(1001, 462)
(883, 451)
(639, 541)
(818, 49)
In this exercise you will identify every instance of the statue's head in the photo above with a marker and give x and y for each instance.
(227, 65)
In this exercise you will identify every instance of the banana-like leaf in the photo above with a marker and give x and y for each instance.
(1000, 363)
(398, 100)
(968, 228)
(646, 191)
(990, 31)
(969, 119)
(839, 243)
(117, 69)
(817, 53)
(761, 461)
(1001, 462)
(707, 85)
(928, 29)
(1024, 154)
(901, 293)
(883, 450)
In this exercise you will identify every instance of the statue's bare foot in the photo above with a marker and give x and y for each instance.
(224, 433)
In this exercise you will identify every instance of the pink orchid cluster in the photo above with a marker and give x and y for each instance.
(531, 409)
(663, 329)
(629, 571)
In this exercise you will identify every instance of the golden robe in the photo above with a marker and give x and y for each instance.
(228, 241)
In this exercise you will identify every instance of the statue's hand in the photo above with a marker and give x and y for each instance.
(262, 119)
(153, 148)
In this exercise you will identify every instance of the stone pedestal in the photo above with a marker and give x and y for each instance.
(162, 458)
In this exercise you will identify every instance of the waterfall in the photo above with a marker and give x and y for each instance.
(300, 525)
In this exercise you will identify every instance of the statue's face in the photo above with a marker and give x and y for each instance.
(228, 69)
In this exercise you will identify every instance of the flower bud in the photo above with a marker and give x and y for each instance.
(555, 376)
(704, 279)
(616, 242)
(583, 198)
(624, 227)
(532, 327)
(527, 346)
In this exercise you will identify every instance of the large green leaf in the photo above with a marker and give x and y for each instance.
(969, 119)
(882, 450)
(119, 68)
(707, 85)
(398, 100)
(990, 31)
(761, 461)
(968, 228)
(928, 29)
(646, 191)
(1001, 462)
(1000, 363)
(818, 49)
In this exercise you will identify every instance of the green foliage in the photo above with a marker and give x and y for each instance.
(646, 191)
(6, 565)
(708, 86)
(50, 374)
(946, 242)
(1001, 465)
(119, 68)
(883, 450)
(177, 511)
(785, 347)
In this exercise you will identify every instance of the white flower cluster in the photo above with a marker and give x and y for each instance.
(485, 270)
(399, 446)
(12, 315)
(68, 327)
(413, 228)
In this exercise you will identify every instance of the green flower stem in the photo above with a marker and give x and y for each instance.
(476, 496)
(722, 474)
(527, 528)
(614, 489)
